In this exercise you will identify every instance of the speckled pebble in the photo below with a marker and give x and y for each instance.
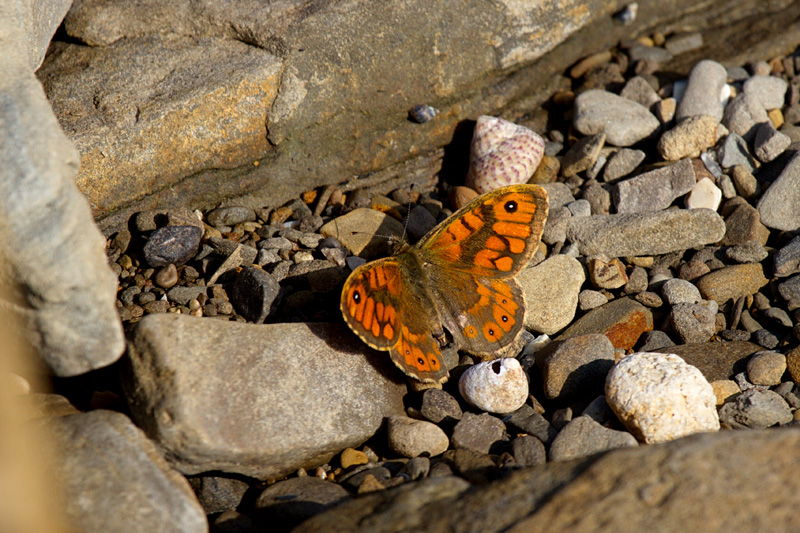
(676, 291)
(478, 432)
(660, 398)
(787, 258)
(499, 386)
(706, 82)
(766, 368)
(756, 408)
(769, 143)
(622, 163)
(606, 273)
(689, 138)
(167, 276)
(172, 244)
(770, 91)
(654, 190)
(582, 155)
(694, 322)
(779, 206)
(439, 406)
(589, 299)
(583, 436)
(623, 121)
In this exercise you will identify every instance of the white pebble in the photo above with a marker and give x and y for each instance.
(704, 194)
(659, 397)
(498, 386)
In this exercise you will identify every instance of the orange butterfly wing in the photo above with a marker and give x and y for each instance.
(388, 313)
(477, 252)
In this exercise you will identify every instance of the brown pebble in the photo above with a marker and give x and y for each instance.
(308, 197)
(320, 473)
(167, 276)
(351, 457)
(157, 306)
(280, 215)
(606, 274)
(370, 484)
(547, 171)
(460, 196)
(590, 62)
(793, 364)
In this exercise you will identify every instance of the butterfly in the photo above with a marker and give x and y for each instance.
(460, 276)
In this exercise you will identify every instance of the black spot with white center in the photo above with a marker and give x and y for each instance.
(356, 296)
(510, 206)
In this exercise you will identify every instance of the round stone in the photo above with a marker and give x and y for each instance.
(766, 368)
(499, 386)
(659, 397)
(410, 438)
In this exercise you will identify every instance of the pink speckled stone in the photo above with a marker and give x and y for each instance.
(502, 153)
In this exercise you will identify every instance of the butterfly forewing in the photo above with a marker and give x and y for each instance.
(493, 236)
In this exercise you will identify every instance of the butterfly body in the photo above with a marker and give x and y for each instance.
(459, 277)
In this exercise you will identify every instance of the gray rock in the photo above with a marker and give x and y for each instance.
(218, 494)
(213, 412)
(733, 152)
(676, 291)
(114, 479)
(583, 436)
(743, 114)
(777, 317)
(622, 121)
(684, 42)
(769, 142)
(183, 295)
(551, 291)
(559, 194)
(790, 289)
(410, 438)
(787, 259)
(589, 299)
(477, 432)
(770, 91)
(582, 155)
(654, 340)
(577, 365)
(287, 503)
(765, 338)
(526, 420)
(580, 208)
(747, 252)
(230, 216)
(172, 245)
(439, 406)
(640, 91)
(702, 94)
(255, 294)
(528, 451)
(756, 408)
(653, 233)
(779, 206)
(654, 190)
(694, 322)
(68, 293)
(555, 228)
(622, 163)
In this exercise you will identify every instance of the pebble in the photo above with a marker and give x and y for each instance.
(419, 222)
(460, 196)
(439, 407)
(622, 121)
(777, 317)
(732, 282)
(756, 408)
(501, 153)
(577, 365)
(769, 91)
(743, 114)
(422, 113)
(167, 276)
(527, 420)
(582, 155)
(589, 299)
(605, 273)
(677, 291)
(637, 281)
(651, 233)
(743, 225)
(659, 397)
(499, 386)
(707, 80)
(352, 457)
(172, 244)
(765, 338)
(623, 162)
(622, 320)
(583, 436)
(640, 91)
(766, 368)
(793, 363)
(684, 42)
(410, 438)
(416, 468)
(555, 228)
(551, 291)
(580, 208)
(769, 143)
(790, 289)
(688, 138)
(787, 259)
(654, 340)
(747, 252)
(779, 206)
(357, 230)
(654, 190)
(649, 299)
(694, 322)
(704, 194)
(291, 501)
(528, 451)
(230, 216)
(724, 390)
(477, 432)
(734, 151)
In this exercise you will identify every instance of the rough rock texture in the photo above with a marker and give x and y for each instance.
(114, 479)
(65, 302)
(258, 400)
(633, 489)
(298, 78)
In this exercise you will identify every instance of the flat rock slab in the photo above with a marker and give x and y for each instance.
(715, 360)
(258, 400)
(632, 489)
(623, 321)
(116, 481)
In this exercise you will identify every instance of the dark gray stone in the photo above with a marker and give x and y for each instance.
(255, 294)
(172, 245)
(756, 408)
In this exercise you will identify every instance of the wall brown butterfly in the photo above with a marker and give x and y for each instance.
(460, 276)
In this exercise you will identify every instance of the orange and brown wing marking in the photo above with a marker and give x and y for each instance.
(418, 355)
(495, 235)
(369, 302)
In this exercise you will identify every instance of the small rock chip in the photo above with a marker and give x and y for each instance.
(724, 390)
(694, 322)
(583, 436)
(255, 294)
(172, 244)
(499, 386)
(704, 194)
(439, 406)
(659, 397)
(351, 457)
